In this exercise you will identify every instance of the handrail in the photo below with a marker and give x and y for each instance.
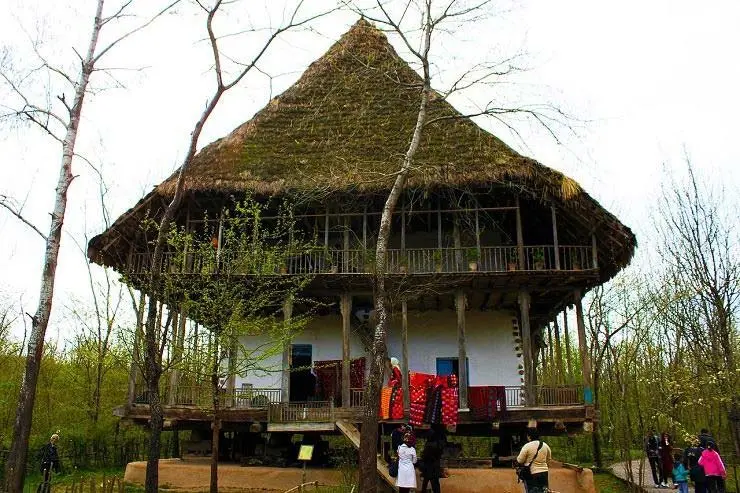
(321, 261)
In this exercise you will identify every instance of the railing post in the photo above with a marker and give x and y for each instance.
(346, 309)
(556, 247)
(594, 252)
(519, 236)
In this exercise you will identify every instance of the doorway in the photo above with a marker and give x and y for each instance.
(451, 366)
(302, 381)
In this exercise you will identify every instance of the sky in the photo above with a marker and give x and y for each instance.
(647, 84)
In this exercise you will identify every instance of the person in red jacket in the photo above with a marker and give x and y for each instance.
(666, 457)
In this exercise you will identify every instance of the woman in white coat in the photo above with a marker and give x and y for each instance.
(406, 480)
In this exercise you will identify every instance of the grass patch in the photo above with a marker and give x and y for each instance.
(607, 483)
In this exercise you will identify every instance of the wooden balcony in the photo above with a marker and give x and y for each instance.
(409, 261)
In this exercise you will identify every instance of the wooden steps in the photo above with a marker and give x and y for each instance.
(353, 435)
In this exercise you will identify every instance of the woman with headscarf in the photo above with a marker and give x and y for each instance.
(406, 480)
(395, 378)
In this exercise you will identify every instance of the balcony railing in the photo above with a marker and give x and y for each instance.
(357, 397)
(544, 396)
(293, 412)
(202, 396)
(490, 259)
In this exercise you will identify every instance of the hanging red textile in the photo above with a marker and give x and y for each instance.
(357, 373)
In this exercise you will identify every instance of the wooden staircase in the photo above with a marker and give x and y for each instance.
(353, 435)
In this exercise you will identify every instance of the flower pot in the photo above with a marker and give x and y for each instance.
(540, 265)
(438, 268)
(333, 269)
(402, 269)
(512, 266)
(283, 269)
(473, 266)
(576, 266)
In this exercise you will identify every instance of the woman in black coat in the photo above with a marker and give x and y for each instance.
(431, 468)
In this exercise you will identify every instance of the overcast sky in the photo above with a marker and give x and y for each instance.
(648, 81)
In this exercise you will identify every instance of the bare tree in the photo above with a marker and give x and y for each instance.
(431, 17)
(699, 249)
(62, 125)
(152, 363)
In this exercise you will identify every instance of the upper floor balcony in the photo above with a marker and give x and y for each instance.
(322, 261)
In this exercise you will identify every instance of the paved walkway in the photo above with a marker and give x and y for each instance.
(620, 470)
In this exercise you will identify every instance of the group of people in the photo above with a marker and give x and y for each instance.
(533, 457)
(701, 463)
(403, 442)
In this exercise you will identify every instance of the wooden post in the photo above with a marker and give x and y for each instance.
(346, 309)
(403, 230)
(405, 358)
(520, 238)
(285, 384)
(558, 353)
(524, 304)
(220, 238)
(326, 229)
(583, 349)
(135, 369)
(477, 234)
(458, 244)
(462, 353)
(594, 252)
(555, 243)
(178, 342)
(439, 225)
(364, 228)
(345, 263)
(568, 356)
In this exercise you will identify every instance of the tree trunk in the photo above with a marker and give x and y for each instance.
(15, 468)
(215, 426)
(369, 433)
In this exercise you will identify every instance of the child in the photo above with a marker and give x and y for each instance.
(680, 475)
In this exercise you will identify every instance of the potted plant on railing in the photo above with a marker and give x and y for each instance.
(538, 258)
(472, 255)
(513, 262)
(437, 258)
(403, 264)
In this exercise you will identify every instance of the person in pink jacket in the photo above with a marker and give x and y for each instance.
(714, 469)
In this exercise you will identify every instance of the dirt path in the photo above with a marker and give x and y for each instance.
(620, 470)
(180, 475)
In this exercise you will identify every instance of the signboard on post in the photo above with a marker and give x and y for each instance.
(305, 453)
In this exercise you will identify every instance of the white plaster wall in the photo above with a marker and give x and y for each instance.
(323, 333)
(490, 338)
(490, 344)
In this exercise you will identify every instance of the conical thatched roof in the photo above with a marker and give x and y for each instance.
(345, 126)
(347, 123)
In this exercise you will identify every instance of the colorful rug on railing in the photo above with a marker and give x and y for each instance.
(434, 399)
(487, 402)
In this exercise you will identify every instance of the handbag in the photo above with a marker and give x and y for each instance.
(524, 473)
(393, 468)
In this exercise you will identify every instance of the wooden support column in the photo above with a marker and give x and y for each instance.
(178, 343)
(568, 355)
(462, 351)
(594, 252)
(477, 234)
(346, 309)
(345, 261)
(458, 244)
(519, 237)
(364, 228)
(220, 239)
(527, 353)
(135, 370)
(556, 245)
(558, 353)
(583, 349)
(405, 358)
(326, 229)
(285, 384)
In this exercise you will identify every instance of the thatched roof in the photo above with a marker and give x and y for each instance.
(345, 125)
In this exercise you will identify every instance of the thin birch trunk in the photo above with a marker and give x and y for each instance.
(15, 467)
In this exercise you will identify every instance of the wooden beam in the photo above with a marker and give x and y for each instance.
(458, 244)
(346, 309)
(477, 234)
(403, 230)
(519, 236)
(285, 384)
(525, 301)
(405, 358)
(178, 343)
(345, 234)
(364, 229)
(462, 352)
(439, 228)
(556, 246)
(326, 229)
(568, 356)
(583, 349)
